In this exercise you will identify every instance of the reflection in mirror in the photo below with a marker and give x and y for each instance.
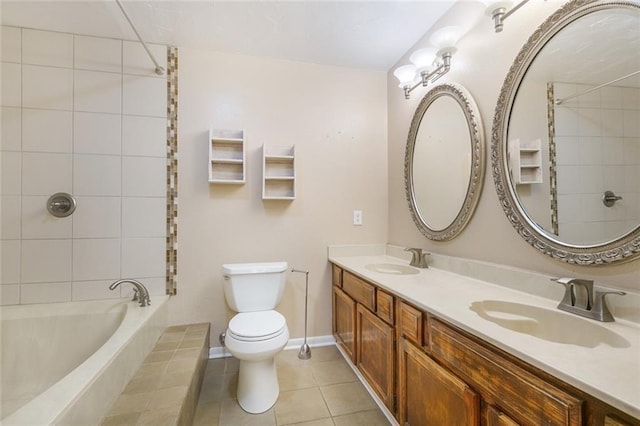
(444, 162)
(567, 161)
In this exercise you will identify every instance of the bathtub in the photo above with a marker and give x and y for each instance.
(67, 363)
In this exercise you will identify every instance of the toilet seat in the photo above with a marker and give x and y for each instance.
(257, 326)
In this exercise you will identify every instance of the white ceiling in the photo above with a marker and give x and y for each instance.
(588, 51)
(361, 34)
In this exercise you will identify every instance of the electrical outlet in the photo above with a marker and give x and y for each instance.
(357, 217)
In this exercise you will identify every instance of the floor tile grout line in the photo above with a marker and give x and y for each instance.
(319, 387)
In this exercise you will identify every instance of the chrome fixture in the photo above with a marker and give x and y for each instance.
(587, 301)
(221, 338)
(61, 204)
(609, 198)
(559, 101)
(159, 70)
(140, 292)
(429, 63)
(305, 350)
(497, 9)
(418, 258)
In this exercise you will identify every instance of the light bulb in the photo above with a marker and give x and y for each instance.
(406, 74)
(446, 37)
(423, 58)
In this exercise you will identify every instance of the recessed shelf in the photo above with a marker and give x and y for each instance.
(525, 161)
(227, 156)
(279, 172)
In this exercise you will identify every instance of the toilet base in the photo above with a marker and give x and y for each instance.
(258, 387)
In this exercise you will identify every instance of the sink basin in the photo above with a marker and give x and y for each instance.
(392, 268)
(547, 324)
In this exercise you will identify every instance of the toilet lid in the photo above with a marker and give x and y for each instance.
(259, 325)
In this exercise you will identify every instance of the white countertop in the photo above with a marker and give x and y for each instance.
(609, 373)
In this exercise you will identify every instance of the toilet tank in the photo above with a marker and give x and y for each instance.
(250, 287)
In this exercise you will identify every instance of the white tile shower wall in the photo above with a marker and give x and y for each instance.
(604, 127)
(11, 46)
(84, 115)
(11, 132)
(47, 130)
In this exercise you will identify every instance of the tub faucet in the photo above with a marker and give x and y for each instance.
(140, 292)
(588, 302)
(418, 258)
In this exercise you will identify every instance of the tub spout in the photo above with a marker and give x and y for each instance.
(141, 293)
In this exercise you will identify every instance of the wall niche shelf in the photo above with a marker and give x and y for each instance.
(526, 161)
(227, 156)
(278, 172)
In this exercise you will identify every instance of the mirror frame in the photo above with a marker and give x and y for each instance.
(476, 135)
(622, 249)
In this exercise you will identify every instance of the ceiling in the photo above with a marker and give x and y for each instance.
(350, 33)
(588, 52)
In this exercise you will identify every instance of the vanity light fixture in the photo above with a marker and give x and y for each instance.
(497, 9)
(429, 63)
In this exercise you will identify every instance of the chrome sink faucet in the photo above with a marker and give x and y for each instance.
(418, 258)
(588, 301)
(140, 292)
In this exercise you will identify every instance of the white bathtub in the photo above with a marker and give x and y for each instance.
(67, 363)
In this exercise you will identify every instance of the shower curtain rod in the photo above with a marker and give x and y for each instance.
(159, 70)
(561, 100)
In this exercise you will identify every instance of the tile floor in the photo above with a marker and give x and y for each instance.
(321, 391)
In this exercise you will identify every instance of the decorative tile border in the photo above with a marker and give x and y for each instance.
(172, 169)
(553, 169)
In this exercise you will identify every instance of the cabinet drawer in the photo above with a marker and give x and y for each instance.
(384, 306)
(410, 323)
(529, 399)
(360, 290)
(337, 275)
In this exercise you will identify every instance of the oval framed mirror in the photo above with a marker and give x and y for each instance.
(444, 162)
(565, 147)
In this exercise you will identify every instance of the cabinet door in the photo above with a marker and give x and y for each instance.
(344, 322)
(429, 395)
(375, 354)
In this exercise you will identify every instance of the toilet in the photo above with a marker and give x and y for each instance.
(257, 333)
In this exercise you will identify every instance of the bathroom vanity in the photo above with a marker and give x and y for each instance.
(440, 347)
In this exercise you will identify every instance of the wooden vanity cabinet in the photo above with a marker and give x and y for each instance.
(375, 343)
(344, 322)
(363, 325)
(529, 399)
(429, 372)
(431, 395)
(344, 315)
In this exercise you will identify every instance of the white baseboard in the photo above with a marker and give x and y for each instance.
(221, 352)
(311, 341)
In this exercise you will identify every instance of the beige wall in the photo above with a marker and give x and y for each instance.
(481, 63)
(337, 119)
